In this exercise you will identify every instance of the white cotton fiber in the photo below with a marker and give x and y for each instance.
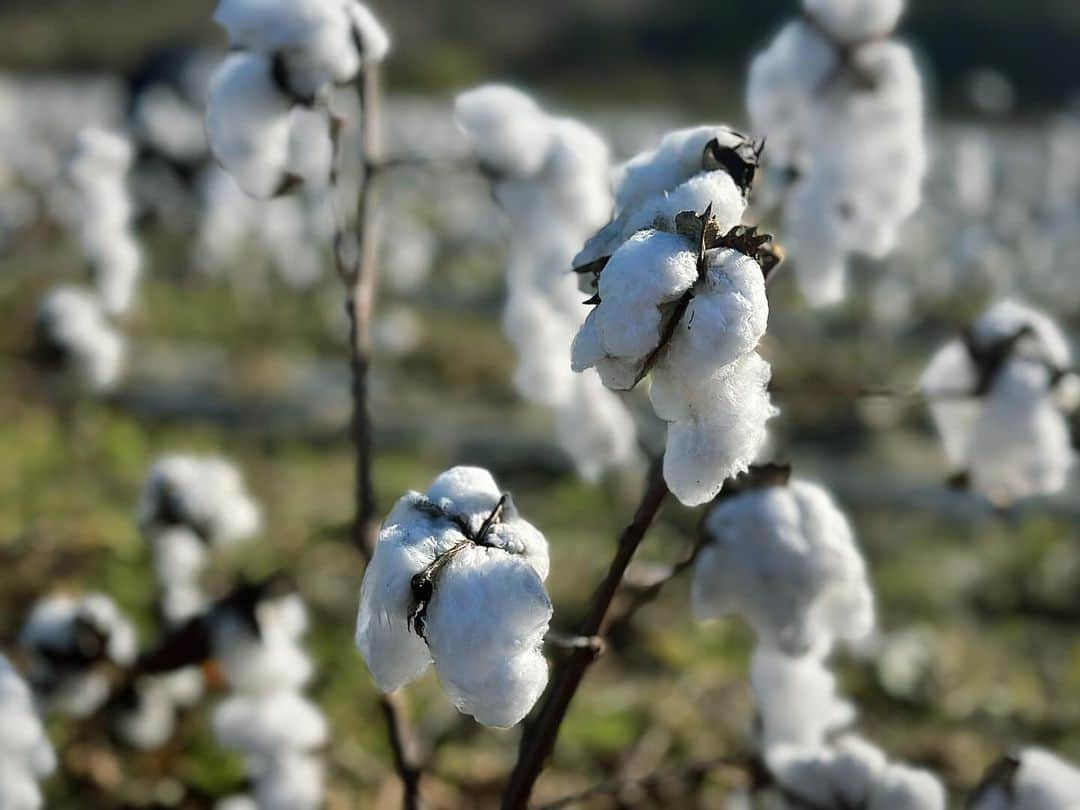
(26, 756)
(1042, 782)
(855, 20)
(784, 557)
(263, 726)
(507, 129)
(74, 336)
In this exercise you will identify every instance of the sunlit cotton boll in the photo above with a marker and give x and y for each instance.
(784, 557)
(73, 335)
(65, 639)
(852, 773)
(26, 756)
(203, 493)
(717, 426)
(1042, 781)
(797, 699)
(487, 612)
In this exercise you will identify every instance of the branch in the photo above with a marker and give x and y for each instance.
(538, 739)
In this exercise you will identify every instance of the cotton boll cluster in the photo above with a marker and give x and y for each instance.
(550, 177)
(98, 171)
(70, 643)
(267, 118)
(267, 719)
(782, 555)
(73, 336)
(841, 106)
(680, 293)
(457, 580)
(999, 398)
(26, 756)
(1034, 780)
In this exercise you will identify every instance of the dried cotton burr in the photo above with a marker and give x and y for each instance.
(783, 556)
(71, 642)
(26, 756)
(550, 177)
(680, 297)
(998, 397)
(457, 580)
(288, 56)
(73, 338)
(1034, 779)
(841, 105)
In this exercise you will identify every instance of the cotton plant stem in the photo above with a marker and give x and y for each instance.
(540, 735)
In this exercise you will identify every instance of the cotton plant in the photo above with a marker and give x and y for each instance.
(268, 119)
(457, 580)
(1033, 779)
(98, 170)
(550, 177)
(75, 340)
(26, 755)
(71, 643)
(782, 555)
(841, 104)
(679, 296)
(999, 396)
(255, 637)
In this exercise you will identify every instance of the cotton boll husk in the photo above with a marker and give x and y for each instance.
(677, 158)
(71, 320)
(99, 153)
(1043, 782)
(248, 123)
(814, 237)
(290, 782)
(277, 723)
(1021, 445)
(718, 425)
(507, 129)
(541, 337)
(374, 38)
(948, 377)
(797, 699)
(855, 20)
(485, 626)
(725, 320)
(185, 686)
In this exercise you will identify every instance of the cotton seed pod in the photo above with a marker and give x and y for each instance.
(785, 558)
(853, 773)
(797, 699)
(457, 580)
(73, 336)
(1035, 779)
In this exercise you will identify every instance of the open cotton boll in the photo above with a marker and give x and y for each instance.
(73, 335)
(150, 720)
(203, 493)
(855, 20)
(264, 726)
(248, 123)
(1009, 317)
(594, 427)
(507, 129)
(116, 270)
(1042, 782)
(311, 151)
(485, 627)
(18, 789)
(99, 154)
(170, 123)
(784, 557)
(717, 429)
(946, 383)
(1021, 445)
(797, 702)
(271, 661)
(290, 782)
(179, 555)
(26, 756)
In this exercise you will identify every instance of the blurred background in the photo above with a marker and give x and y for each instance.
(241, 351)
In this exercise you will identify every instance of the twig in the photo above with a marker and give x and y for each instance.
(540, 734)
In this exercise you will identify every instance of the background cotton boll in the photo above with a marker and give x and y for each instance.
(594, 428)
(508, 131)
(150, 721)
(486, 622)
(248, 123)
(797, 701)
(170, 123)
(1043, 782)
(902, 788)
(947, 379)
(374, 38)
(116, 271)
(311, 152)
(784, 557)
(820, 257)
(73, 335)
(855, 20)
(1009, 316)
(25, 751)
(179, 555)
(18, 789)
(290, 782)
(268, 725)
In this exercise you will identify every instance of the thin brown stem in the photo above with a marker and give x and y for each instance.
(538, 739)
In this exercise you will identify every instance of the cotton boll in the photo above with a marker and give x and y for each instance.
(151, 719)
(595, 428)
(264, 726)
(899, 787)
(717, 426)
(1042, 782)
(506, 128)
(374, 39)
(290, 782)
(248, 123)
(18, 789)
(797, 699)
(310, 151)
(264, 664)
(26, 755)
(1009, 317)
(486, 625)
(946, 382)
(785, 558)
(179, 555)
(855, 20)
(72, 335)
